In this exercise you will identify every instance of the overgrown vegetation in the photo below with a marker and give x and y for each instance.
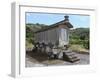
(80, 36)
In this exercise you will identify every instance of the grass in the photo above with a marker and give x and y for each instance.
(29, 45)
(78, 48)
(52, 62)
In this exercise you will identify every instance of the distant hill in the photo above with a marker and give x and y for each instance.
(36, 27)
(82, 33)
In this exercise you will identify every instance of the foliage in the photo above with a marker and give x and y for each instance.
(80, 36)
(78, 48)
(29, 45)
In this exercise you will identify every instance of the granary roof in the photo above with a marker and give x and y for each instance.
(63, 22)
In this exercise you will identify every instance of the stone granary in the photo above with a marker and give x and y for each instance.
(54, 38)
(57, 33)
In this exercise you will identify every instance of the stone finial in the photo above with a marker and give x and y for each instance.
(66, 18)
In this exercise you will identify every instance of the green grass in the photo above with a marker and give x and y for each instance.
(29, 45)
(78, 48)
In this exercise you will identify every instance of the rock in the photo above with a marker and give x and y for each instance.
(60, 55)
(50, 55)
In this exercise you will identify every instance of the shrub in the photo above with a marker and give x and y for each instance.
(86, 44)
(78, 48)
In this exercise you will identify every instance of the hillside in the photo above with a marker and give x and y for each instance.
(79, 40)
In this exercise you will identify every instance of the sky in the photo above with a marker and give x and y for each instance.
(78, 21)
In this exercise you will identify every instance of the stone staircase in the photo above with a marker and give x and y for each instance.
(70, 56)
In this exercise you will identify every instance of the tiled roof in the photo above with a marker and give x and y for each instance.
(63, 22)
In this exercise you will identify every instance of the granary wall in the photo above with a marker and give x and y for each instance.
(47, 36)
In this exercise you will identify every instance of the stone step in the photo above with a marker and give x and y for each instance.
(70, 57)
(75, 59)
(68, 53)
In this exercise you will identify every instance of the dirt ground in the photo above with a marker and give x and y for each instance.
(40, 59)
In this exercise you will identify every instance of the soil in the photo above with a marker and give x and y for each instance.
(34, 59)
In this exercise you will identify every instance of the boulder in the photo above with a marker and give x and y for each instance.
(60, 55)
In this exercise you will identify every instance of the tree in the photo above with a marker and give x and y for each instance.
(80, 36)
